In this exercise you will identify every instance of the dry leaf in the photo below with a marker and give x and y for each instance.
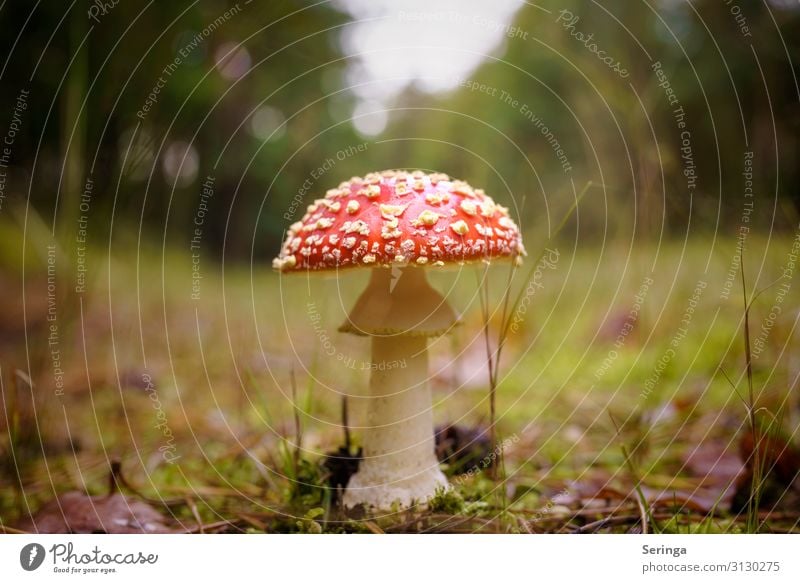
(77, 513)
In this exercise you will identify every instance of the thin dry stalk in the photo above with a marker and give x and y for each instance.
(346, 423)
(508, 308)
(754, 499)
(298, 428)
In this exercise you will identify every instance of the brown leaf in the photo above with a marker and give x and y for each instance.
(702, 500)
(716, 461)
(591, 492)
(777, 456)
(77, 513)
(779, 461)
(597, 495)
(463, 448)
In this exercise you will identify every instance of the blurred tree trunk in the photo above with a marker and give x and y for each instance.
(73, 126)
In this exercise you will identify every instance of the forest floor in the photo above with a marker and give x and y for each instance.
(623, 398)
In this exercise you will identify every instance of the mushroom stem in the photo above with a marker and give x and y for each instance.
(399, 465)
(400, 311)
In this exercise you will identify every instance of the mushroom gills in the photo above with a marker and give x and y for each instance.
(400, 301)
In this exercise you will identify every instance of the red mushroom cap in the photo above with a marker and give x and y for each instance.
(396, 217)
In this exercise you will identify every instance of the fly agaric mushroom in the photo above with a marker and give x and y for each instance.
(397, 219)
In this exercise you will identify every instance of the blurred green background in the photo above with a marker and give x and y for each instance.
(265, 92)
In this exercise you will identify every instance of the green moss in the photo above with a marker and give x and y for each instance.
(446, 500)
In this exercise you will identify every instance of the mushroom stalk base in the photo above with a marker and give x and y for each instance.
(399, 468)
